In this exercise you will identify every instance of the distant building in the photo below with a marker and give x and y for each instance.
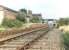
(8, 13)
(30, 15)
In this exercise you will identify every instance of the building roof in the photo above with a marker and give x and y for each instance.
(51, 19)
(8, 9)
(36, 15)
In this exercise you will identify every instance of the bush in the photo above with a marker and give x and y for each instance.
(66, 40)
(2, 28)
(35, 20)
(21, 18)
(22, 15)
(63, 21)
(12, 23)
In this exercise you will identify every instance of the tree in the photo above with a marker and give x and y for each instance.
(63, 21)
(23, 10)
(35, 20)
(22, 15)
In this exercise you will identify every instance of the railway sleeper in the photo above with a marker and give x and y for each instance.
(30, 43)
(27, 45)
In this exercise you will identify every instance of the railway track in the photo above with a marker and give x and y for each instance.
(22, 42)
(50, 41)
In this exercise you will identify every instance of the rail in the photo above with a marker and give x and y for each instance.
(28, 43)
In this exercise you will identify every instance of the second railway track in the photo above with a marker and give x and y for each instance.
(22, 42)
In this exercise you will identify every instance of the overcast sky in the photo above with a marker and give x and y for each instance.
(48, 8)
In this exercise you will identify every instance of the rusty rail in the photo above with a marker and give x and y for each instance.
(25, 46)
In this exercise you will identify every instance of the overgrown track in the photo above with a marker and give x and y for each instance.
(22, 41)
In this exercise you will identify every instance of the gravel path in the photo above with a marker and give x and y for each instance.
(50, 41)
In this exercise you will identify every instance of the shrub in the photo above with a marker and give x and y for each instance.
(22, 15)
(21, 18)
(35, 20)
(12, 23)
(2, 28)
(63, 21)
(66, 40)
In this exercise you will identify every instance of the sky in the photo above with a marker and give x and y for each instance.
(48, 8)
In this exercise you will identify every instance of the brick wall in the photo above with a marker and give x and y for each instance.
(10, 15)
